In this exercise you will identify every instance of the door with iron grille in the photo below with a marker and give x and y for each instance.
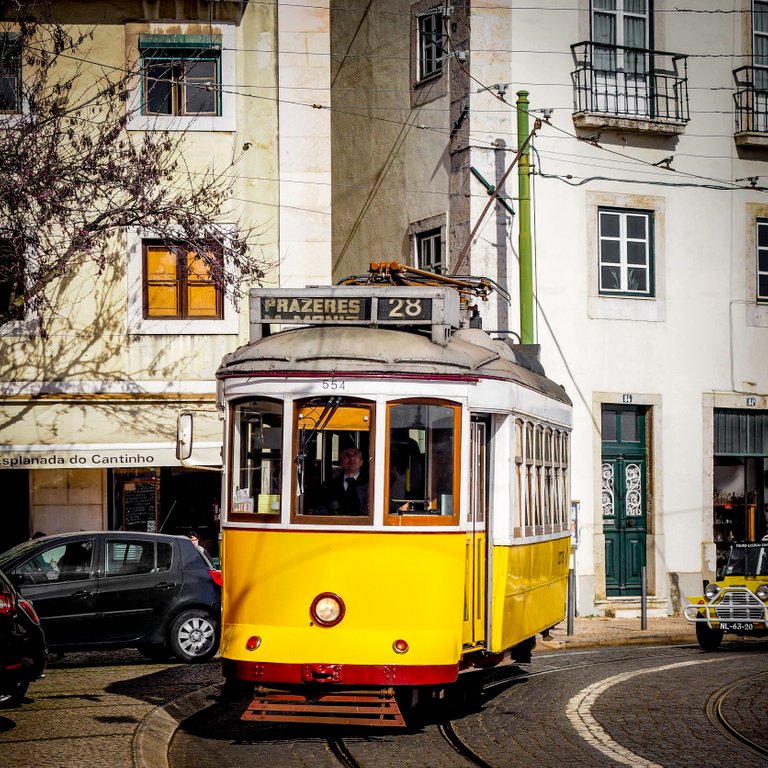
(624, 499)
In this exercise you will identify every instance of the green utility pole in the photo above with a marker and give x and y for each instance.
(524, 222)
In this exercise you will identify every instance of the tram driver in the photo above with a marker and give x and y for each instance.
(346, 493)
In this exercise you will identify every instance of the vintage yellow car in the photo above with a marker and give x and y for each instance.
(737, 603)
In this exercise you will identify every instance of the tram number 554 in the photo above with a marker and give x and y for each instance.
(405, 309)
(332, 384)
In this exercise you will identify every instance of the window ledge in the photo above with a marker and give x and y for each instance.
(651, 310)
(757, 315)
(602, 121)
(182, 123)
(751, 139)
(144, 327)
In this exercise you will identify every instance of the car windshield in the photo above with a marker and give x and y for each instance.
(748, 559)
(13, 553)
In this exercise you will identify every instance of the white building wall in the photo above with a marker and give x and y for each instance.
(668, 352)
(303, 41)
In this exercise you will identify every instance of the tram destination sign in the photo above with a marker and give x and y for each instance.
(354, 305)
(322, 309)
(313, 309)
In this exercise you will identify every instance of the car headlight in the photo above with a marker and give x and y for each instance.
(762, 592)
(327, 609)
(711, 591)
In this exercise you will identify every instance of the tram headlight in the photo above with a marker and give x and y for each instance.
(711, 591)
(762, 592)
(327, 609)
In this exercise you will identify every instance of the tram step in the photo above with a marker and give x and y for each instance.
(377, 708)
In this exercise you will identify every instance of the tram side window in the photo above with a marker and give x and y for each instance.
(423, 452)
(541, 459)
(332, 465)
(257, 456)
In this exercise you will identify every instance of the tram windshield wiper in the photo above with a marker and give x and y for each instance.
(326, 414)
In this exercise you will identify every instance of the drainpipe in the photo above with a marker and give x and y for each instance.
(524, 219)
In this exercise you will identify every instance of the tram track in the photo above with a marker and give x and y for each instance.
(445, 728)
(718, 718)
(339, 750)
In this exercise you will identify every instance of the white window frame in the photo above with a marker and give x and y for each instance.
(761, 250)
(139, 325)
(226, 121)
(631, 307)
(429, 51)
(624, 242)
(426, 244)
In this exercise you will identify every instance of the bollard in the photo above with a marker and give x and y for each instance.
(571, 601)
(643, 599)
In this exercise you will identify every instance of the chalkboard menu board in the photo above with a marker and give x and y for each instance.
(140, 505)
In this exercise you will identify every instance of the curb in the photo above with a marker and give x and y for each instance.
(154, 734)
(608, 642)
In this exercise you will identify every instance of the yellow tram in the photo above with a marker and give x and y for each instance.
(449, 550)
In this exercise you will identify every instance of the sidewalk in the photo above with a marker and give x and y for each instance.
(603, 631)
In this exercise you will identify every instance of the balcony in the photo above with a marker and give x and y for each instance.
(751, 99)
(630, 89)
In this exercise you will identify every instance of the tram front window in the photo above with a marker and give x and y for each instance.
(257, 459)
(332, 467)
(423, 453)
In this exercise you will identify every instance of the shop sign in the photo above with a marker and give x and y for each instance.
(122, 457)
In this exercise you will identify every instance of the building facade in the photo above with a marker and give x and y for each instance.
(88, 414)
(643, 212)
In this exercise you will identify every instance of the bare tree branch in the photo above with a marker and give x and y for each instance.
(72, 177)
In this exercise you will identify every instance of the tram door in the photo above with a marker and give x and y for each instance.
(476, 557)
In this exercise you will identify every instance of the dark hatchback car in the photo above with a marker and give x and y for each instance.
(22, 645)
(116, 589)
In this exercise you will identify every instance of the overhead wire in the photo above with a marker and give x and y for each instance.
(408, 122)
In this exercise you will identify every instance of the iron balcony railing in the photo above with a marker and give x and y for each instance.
(751, 99)
(631, 82)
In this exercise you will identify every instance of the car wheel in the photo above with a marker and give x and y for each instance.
(14, 695)
(193, 636)
(708, 639)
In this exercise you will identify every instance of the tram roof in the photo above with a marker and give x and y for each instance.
(347, 350)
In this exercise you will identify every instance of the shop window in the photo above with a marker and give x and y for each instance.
(182, 284)
(625, 252)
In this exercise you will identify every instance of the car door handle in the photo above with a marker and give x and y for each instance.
(81, 593)
(165, 585)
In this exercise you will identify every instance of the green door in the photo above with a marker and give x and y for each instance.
(624, 481)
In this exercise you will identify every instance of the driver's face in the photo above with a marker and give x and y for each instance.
(351, 461)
